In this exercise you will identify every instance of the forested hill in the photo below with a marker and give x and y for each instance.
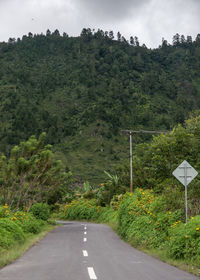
(83, 90)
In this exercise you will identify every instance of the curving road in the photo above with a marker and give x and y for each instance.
(84, 251)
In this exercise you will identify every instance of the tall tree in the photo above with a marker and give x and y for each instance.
(30, 173)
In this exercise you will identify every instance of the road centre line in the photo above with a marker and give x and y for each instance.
(91, 273)
(85, 239)
(85, 253)
(85, 227)
(85, 232)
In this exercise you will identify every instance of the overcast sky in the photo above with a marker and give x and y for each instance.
(149, 20)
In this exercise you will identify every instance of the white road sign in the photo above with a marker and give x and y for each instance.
(185, 173)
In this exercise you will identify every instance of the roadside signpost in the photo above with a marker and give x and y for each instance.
(185, 173)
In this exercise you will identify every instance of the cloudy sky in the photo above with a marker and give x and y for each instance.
(150, 20)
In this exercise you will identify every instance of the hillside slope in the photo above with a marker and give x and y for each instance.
(83, 90)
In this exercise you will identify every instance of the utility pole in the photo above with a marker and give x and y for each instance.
(131, 132)
(131, 163)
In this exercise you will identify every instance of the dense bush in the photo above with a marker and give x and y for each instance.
(41, 211)
(107, 214)
(184, 240)
(143, 219)
(31, 224)
(83, 209)
(6, 238)
(4, 211)
(13, 228)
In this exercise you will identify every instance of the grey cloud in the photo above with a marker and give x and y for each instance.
(150, 20)
(110, 10)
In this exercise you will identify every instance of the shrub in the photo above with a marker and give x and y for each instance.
(6, 238)
(143, 219)
(31, 224)
(51, 222)
(185, 240)
(41, 211)
(81, 209)
(107, 214)
(4, 211)
(13, 228)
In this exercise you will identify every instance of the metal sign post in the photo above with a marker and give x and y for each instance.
(185, 179)
(185, 173)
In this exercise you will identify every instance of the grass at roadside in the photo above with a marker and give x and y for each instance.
(161, 255)
(9, 255)
(157, 253)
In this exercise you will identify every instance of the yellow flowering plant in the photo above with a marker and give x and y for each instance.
(185, 239)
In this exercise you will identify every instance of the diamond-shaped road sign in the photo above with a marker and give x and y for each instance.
(185, 173)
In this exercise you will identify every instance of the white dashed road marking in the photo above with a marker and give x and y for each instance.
(85, 253)
(85, 239)
(91, 273)
(85, 232)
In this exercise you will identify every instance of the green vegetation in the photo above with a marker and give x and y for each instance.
(18, 249)
(32, 174)
(82, 90)
(15, 226)
(19, 230)
(41, 211)
(76, 94)
(83, 209)
(152, 217)
(154, 162)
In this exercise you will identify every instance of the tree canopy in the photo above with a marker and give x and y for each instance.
(31, 174)
(82, 90)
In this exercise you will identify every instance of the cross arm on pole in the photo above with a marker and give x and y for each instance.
(143, 131)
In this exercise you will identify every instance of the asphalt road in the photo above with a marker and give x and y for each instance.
(84, 251)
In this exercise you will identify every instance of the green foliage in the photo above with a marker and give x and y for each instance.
(6, 238)
(51, 222)
(30, 224)
(185, 240)
(87, 186)
(81, 209)
(89, 87)
(84, 209)
(13, 228)
(31, 173)
(41, 211)
(107, 215)
(154, 162)
(4, 211)
(16, 225)
(109, 189)
(144, 220)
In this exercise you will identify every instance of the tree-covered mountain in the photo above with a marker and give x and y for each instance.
(82, 90)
